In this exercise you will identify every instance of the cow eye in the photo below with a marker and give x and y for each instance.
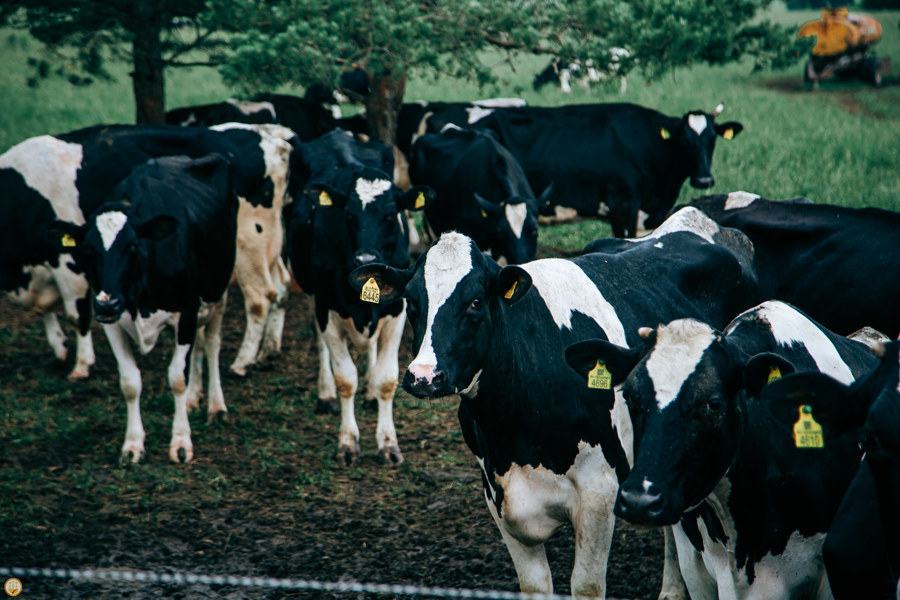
(714, 404)
(476, 305)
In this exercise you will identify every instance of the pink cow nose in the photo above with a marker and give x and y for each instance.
(426, 372)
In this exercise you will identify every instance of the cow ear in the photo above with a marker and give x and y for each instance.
(488, 208)
(65, 236)
(390, 283)
(587, 355)
(764, 368)
(321, 194)
(157, 228)
(418, 197)
(830, 400)
(511, 283)
(546, 196)
(729, 130)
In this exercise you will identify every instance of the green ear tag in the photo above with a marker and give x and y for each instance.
(599, 377)
(370, 292)
(420, 200)
(68, 241)
(324, 199)
(807, 432)
(774, 375)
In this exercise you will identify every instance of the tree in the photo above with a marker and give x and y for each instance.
(152, 35)
(309, 41)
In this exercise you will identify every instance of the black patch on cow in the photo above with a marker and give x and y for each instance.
(259, 228)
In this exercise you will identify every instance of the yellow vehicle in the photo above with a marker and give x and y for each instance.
(843, 40)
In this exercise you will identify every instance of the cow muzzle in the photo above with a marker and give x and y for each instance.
(703, 182)
(364, 258)
(643, 504)
(426, 382)
(108, 309)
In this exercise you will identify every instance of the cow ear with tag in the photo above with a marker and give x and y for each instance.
(546, 197)
(321, 194)
(418, 197)
(764, 368)
(594, 359)
(65, 236)
(728, 130)
(379, 283)
(511, 283)
(489, 210)
(158, 228)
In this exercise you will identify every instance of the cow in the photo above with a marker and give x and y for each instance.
(584, 73)
(833, 262)
(551, 450)
(860, 553)
(481, 191)
(352, 215)
(749, 511)
(163, 248)
(306, 117)
(69, 176)
(612, 161)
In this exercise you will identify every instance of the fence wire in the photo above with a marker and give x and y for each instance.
(309, 585)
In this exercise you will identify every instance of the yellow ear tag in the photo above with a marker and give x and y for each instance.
(807, 432)
(68, 241)
(420, 200)
(509, 293)
(664, 133)
(483, 215)
(324, 198)
(728, 134)
(774, 375)
(599, 377)
(370, 292)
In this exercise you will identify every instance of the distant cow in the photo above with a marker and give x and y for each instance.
(481, 191)
(552, 451)
(564, 72)
(835, 263)
(749, 509)
(164, 247)
(352, 215)
(69, 176)
(609, 160)
(861, 553)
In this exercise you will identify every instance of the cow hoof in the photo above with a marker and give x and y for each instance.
(181, 454)
(370, 404)
(219, 416)
(348, 456)
(390, 455)
(236, 372)
(193, 401)
(131, 454)
(78, 373)
(328, 406)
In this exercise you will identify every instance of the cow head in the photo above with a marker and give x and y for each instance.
(112, 250)
(513, 224)
(453, 294)
(686, 389)
(694, 140)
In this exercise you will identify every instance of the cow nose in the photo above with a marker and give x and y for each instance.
(107, 308)
(638, 506)
(423, 380)
(364, 258)
(704, 182)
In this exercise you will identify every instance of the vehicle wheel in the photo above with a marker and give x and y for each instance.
(871, 71)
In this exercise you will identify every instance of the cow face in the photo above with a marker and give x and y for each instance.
(112, 251)
(686, 393)
(514, 225)
(696, 139)
(452, 295)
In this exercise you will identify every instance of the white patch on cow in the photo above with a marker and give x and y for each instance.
(679, 348)
(697, 123)
(646, 484)
(658, 245)
(476, 113)
(249, 108)
(789, 326)
(471, 390)
(109, 225)
(515, 215)
(369, 190)
(500, 102)
(450, 127)
(565, 289)
(49, 166)
(446, 264)
(688, 219)
(740, 200)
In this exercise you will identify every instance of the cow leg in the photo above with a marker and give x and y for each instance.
(55, 335)
(274, 328)
(130, 383)
(256, 307)
(195, 377)
(180, 448)
(212, 344)
(673, 586)
(532, 566)
(327, 402)
(382, 382)
(73, 289)
(345, 382)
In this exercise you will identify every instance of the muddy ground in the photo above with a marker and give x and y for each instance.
(264, 495)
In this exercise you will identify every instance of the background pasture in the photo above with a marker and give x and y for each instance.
(265, 495)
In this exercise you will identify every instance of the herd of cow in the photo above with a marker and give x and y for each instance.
(722, 377)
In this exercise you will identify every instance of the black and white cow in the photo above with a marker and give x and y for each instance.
(861, 555)
(608, 160)
(552, 451)
(352, 215)
(159, 252)
(833, 262)
(564, 72)
(481, 191)
(749, 509)
(69, 176)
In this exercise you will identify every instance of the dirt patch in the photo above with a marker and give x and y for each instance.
(265, 495)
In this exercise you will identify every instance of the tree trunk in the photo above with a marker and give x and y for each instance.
(147, 77)
(383, 106)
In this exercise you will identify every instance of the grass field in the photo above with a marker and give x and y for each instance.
(265, 495)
